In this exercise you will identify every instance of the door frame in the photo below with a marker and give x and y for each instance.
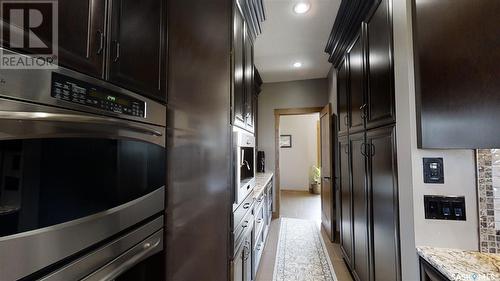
(277, 114)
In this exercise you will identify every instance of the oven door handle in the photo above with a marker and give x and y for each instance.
(75, 118)
(129, 259)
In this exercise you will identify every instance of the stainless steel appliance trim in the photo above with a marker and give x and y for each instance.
(129, 259)
(23, 120)
(97, 259)
(76, 118)
(28, 252)
(34, 85)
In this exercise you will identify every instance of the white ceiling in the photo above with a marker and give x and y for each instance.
(288, 37)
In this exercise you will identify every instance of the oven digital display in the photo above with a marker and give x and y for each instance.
(72, 90)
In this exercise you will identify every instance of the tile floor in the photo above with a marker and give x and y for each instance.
(300, 205)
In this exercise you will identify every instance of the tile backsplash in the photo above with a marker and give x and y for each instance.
(488, 182)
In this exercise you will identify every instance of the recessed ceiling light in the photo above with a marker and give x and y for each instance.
(301, 7)
(297, 64)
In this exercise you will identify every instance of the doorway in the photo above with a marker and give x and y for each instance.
(300, 166)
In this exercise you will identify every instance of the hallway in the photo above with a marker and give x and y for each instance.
(300, 205)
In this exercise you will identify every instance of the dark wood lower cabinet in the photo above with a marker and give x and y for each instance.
(370, 219)
(429, 273)
(346, 241)
(381, 154)
(360, 208)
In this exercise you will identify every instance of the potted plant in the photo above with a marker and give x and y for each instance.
(315, 180)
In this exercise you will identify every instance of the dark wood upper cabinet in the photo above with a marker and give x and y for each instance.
(238, 68)
(384, 211)
(136, 52)
(356, 86)
(360, 209)
(81, 35)
(457, 73)
(343, 96)
(248, 79)
(244, 100)
(346, 225)
(380, 93)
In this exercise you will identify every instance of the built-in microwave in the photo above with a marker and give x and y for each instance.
(82, 165)
(244, 165)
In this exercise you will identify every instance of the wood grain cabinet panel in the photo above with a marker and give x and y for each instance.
(81, 33)
(238, 68)
(380, 93)
(457, 57)
(346, 225)
(384, 207)
(136, 53)
(356, 86)
(360, 208)
(248, 80)
(343, 96)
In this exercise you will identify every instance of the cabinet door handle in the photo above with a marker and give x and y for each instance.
(245, 224)
(346, 149)
(246, 205)
(100, 37)
(372, 149)
(363, 149)
(346, 120)
(363, 115)
(117, 51)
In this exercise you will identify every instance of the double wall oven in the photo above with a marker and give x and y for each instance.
(82, 179)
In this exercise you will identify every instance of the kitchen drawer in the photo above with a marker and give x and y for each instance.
(257, 254)
(259, 222)
(241, 211)
(242, 230)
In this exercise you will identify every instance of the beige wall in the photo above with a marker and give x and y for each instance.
(296, 162)
(303, 93)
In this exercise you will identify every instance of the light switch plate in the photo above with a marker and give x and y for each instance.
(433, 170)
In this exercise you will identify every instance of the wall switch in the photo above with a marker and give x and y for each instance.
(433, 170)
(444, 207)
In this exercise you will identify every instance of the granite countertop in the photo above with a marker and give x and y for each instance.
(462, 265)
(261, 180)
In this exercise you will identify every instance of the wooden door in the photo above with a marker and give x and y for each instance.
(356, 86)
(137, 55)
(380, 94)
(327, 179)
(82, 35)
(343, 97)
(346, 239)
(238, 69)
(383, 186)
(360, 209)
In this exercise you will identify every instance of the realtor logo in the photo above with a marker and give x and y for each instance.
(29, 28)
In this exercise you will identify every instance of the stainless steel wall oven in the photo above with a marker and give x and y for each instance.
(82, 179)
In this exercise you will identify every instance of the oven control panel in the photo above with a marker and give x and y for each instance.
(76, 91)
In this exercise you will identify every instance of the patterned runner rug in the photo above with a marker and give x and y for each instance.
(301, 253)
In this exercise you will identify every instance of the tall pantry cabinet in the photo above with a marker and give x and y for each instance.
(367, 151)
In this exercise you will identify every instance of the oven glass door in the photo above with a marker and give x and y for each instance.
(48, 181)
